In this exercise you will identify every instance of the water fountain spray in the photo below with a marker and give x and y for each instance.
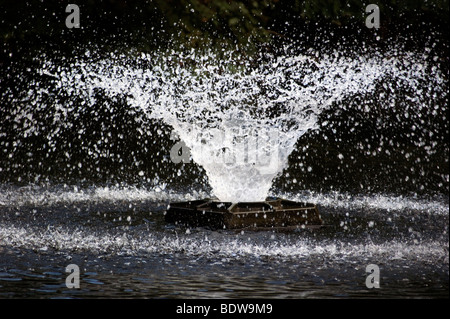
(236, 119)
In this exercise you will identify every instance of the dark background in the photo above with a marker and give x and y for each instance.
(151, 24)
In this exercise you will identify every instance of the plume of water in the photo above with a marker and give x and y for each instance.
(239, 118)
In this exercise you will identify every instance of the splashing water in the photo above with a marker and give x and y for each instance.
(239, 119)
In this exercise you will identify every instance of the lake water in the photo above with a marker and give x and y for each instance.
(123, 248)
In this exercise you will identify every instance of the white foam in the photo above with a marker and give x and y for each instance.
(39, 196)
(375, 201)
(64, 240)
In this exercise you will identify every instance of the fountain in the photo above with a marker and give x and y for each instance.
(239, 116)
(238, 119)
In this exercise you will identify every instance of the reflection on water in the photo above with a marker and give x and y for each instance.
(140, 277)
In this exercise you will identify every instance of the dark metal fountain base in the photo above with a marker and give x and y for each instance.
(272, 213)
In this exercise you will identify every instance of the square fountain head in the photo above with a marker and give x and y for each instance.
(272, 213)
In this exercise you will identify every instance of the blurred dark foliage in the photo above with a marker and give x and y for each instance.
(192, 23)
